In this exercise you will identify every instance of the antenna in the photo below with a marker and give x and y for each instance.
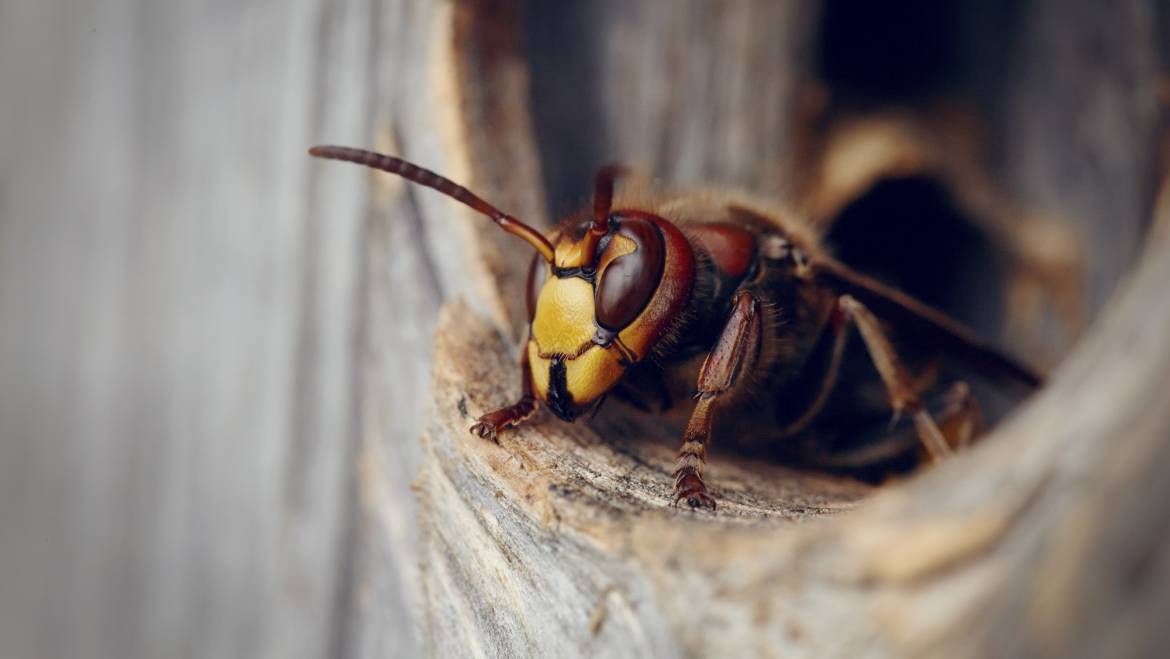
(602, 201)
(416, 174)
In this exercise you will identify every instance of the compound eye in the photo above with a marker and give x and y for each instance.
(627, 279)
(537, 273)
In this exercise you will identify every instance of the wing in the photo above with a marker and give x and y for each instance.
(925, 322)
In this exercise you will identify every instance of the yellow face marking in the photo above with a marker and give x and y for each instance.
(587, 377)
(619, 245)
(563, 323)
(570, 254)
(592, 374)
(538, 367)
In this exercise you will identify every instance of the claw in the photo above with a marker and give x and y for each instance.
(689, 486)
(489, 425)
(700, 500)
(485, 430)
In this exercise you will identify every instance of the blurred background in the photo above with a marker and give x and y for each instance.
(213, 351)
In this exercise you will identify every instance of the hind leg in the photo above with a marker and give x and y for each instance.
(899, 387)
(959, 419)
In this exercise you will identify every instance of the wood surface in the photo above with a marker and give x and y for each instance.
(216, 356)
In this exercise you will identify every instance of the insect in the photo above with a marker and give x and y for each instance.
(640, 290)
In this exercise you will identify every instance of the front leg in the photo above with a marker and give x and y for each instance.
(490, 424)
(735, 354)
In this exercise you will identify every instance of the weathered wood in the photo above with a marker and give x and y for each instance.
(215, 354)
(178, 307)
(561, 541)
(451, 97)
(465, 114)
(692, 92)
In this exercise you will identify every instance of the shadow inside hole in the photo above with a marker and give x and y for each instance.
(910, 234)
(881, 54)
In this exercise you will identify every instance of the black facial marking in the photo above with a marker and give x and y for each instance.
(560, 401)
(588, 274)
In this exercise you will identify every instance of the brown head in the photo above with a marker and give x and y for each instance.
(600, 297)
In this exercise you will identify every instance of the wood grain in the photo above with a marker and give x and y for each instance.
(567, 529)
(178, 303)
(215, 355)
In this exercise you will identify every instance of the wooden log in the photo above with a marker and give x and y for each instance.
(560, 541)
(1045, 540)
(215, 355)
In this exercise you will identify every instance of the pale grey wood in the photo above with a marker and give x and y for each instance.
(1081, 118)
(178, 298)
(400, 295)
(692, 92)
